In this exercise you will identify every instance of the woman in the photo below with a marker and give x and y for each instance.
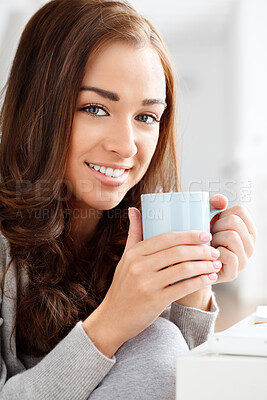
(88, 124)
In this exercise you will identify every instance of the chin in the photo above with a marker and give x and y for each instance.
(103, 204)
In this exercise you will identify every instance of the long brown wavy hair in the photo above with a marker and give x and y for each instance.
(36, 123)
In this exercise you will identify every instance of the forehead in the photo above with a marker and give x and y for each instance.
(123, 67)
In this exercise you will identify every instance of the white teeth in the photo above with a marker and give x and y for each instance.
(108, 171)
(96, 167)
(117, 172)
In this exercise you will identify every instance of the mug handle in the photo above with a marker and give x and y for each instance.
(216, 211)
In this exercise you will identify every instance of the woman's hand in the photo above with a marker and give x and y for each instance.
(234, 235)
(142, 284)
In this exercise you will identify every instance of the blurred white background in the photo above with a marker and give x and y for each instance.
(219, 49)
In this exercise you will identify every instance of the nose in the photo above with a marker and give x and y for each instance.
(121, 139)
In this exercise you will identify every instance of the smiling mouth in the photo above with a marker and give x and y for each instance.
(107, 171)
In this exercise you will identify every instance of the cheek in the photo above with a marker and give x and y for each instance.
(75, 139)
(76, 148)
(81, 140)
(147, 149)
(71, 166)
(151, 145)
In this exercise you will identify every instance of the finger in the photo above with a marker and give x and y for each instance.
(232, 242)
(182, 289)
(135, 234)
(182, 253)
(235, 223)
(218, 201)
(186, 270)
(243, 213)
(230, 266)
(171, 239)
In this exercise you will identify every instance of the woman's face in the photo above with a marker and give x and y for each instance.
(116, 124)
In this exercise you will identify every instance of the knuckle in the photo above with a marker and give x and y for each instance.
(136, 270)
(169, 236)
(194, 236)
(235, 221)
(209, 266)
(187, 269)
(241, 209)
(181, 269)
(204, 280)
(205, 251)
(234, 259)
(144, 288)
(178, 252)
(234, 273)
(233, 236)
(129, 255)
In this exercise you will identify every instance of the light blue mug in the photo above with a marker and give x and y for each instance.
(176, 211)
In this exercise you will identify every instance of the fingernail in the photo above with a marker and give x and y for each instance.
(213, 276)
(217, 264)
(215, 252)
(205, 236)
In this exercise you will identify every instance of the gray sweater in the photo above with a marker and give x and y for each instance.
(75, 367)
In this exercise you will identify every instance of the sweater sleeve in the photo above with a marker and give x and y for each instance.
(195, 325)
(71, 371)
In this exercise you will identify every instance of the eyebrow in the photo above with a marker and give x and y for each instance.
(148, 102)
(104, 93)
(115, 97)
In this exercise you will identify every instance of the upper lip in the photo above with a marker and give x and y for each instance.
(113, 166)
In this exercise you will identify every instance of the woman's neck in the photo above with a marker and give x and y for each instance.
(83, 224)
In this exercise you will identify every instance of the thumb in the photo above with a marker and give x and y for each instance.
(135, 233)
(218, 201)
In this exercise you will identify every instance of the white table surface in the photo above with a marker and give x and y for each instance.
(205, 375)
